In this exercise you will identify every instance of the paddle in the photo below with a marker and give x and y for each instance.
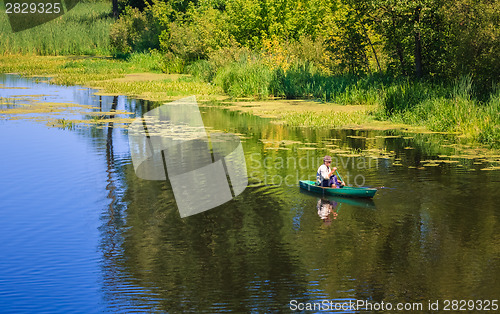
(377, 187)
(338, 174)
(338, 208)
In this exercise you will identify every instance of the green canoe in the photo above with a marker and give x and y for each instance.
(345, 191)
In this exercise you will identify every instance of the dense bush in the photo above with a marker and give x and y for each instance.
(196, 34)
(134, 31)
(400, 56)
(431, 39)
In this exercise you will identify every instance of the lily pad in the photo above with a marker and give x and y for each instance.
(491, 168)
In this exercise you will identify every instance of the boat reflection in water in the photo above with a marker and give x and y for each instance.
(328, 206)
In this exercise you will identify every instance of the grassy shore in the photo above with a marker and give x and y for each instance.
(140, 76)
(111, 76)
(441, 106)
(453, 109)
(403, 105)
(83, 30)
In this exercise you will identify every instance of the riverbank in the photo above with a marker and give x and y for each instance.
(140, 76)
(309, 113)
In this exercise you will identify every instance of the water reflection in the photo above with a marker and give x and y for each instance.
(328, 207)
(327, 210)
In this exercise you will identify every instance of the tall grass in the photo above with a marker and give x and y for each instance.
(84, 30)
(303, 80)
(451, 109)
(407, 94)
(247, 77)
(201, 69)
(150, 62)
(253, 76)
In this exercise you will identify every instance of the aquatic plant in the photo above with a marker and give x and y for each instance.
(65, 124)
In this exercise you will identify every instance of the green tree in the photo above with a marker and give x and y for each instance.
(474, 41)
(348, 41)
(414, 32)
(245, 18)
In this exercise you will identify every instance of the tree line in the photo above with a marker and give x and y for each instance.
(418, 39)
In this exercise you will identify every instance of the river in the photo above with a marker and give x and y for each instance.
(80, 232)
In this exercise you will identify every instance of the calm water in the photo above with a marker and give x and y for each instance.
(81, 233)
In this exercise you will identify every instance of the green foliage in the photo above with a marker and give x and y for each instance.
(226, 55)
(349, 41)
(312, 50)
(489, 126)
(172, 63)
(398, 55)
(134, 31)
(474, 42)
(150, 62)
(201, 69)
(453, 109)
(405, 96)
(427, 39)
(299, 80)
(194, 34)
(246, 21)
(303, 79)
(252, 21)
(246, 77)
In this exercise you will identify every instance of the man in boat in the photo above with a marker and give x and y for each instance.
(325, 176)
